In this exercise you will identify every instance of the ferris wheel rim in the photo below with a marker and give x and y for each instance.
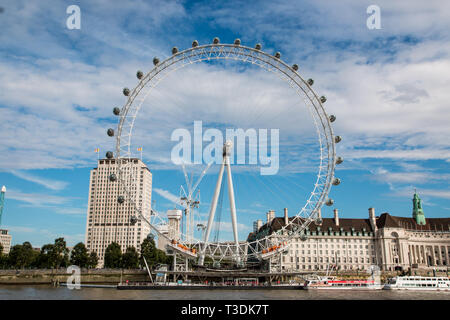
(276, 62)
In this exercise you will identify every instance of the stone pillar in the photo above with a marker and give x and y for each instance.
(446, 255)
(437, 256)
(424, 257)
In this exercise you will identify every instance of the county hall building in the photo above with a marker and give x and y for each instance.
(387, 241)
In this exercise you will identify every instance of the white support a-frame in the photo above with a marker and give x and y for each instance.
(225, 162)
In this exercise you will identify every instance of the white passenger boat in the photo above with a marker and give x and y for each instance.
(418, 283)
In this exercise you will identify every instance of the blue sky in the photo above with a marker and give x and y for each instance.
(387, 87)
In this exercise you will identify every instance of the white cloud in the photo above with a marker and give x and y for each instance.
(167, 195)
(37, 199)
(433, 193)
(384, 175)
(49, 184)
(20, 229)
(70, 210)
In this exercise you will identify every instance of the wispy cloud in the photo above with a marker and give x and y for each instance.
(384, 175)
(38, 199)
(433, 193)
(49, 184)
(70, 210)
(167, 195)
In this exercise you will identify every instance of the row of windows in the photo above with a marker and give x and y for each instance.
(337, 240)
(329, 259)
(324, 267)
(314, 252)
(332, 246)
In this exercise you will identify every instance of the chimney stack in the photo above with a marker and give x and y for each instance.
(336, 217)
(270, 216)
(373, 221)
(259, 223)
(286, 217)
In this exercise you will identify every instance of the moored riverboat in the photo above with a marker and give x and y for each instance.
(332, 283)
(418, 283)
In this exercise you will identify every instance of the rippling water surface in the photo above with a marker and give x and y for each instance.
(44, 292)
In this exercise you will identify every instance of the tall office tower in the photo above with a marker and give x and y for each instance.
(108, 220)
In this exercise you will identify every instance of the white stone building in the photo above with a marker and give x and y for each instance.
(107, 219)
(387, 241)
(5, 241)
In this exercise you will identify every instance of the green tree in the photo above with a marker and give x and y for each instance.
(79, 255)
(153, 255)
(3, 258)
(93, 260)
(130, 259)
(46, 258)
(3, 261)
(21, 256)
(53, 255)
(113, 256)
(61, 253)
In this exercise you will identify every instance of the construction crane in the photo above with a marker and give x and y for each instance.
(2, 202)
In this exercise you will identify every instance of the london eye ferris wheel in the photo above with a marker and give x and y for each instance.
(200, 247)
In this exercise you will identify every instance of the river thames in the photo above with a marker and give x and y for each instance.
(47, 292)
